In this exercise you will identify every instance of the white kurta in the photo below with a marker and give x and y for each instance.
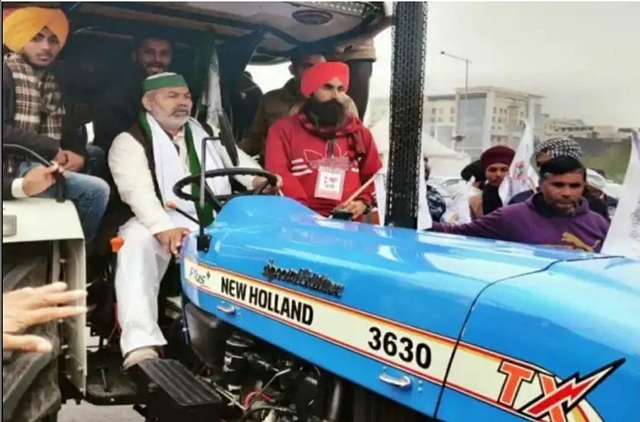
(142, 261)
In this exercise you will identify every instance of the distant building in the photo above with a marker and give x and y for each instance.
(494, 116)
(578, 129)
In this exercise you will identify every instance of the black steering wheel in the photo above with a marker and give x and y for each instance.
(13, 149)
(218, 200)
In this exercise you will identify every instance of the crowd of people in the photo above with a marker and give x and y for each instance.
(309, 133)
(568, 209)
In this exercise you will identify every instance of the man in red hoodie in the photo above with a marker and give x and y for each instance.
(324, 154)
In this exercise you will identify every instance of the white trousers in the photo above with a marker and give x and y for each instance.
(142, 262)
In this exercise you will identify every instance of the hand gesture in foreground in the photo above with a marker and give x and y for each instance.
(30, 306)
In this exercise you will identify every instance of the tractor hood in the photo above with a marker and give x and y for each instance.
(571, 332)
(379, 267)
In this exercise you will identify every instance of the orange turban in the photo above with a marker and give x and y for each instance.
(21, 25)
(319, 74)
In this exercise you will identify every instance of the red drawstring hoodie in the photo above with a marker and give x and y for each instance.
(295, 151)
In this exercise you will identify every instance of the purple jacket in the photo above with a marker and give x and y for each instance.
(534, 222)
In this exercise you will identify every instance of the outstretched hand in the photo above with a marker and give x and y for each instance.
(31, 306)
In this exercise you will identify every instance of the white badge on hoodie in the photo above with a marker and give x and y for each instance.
(330, 183)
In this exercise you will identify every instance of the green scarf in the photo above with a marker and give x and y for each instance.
(205, 215)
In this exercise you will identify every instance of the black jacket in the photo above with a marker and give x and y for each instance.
(43, 145)
(117, 109)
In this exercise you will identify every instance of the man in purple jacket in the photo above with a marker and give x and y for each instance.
(557, 216)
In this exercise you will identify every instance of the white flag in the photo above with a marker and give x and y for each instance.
(624, 233)
(380, 186)
(424, 215)
(518, 178)
(534, 179)
(459, 211)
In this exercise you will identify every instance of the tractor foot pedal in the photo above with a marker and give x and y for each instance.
(172, 393)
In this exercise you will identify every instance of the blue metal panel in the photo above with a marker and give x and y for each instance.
(574, 319)
(423, 280)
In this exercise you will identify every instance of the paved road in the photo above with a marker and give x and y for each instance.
(85, 412)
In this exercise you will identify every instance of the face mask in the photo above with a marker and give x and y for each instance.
(328, 113)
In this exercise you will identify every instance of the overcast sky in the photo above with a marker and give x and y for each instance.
(584, 58)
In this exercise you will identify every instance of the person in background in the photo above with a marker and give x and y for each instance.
(324, 154)
(283, 102)
(495, 164)
(562, 147)
(435, 200)
(117, 109)
(244, 103)
(33, 115)
(360, 58)
(596, 184)
(30, 306)
(557, 216)
(473, 171)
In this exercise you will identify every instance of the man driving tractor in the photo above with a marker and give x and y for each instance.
(146, 162)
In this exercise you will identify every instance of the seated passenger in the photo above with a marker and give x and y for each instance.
(118, 107)
(283, 102)
(495, 164)
(33, 115)
(562, 147)
(146, 161)
(323, 153)
(558, 215)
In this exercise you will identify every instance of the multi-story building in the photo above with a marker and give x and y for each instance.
(483, 116)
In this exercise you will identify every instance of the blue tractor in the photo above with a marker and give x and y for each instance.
(277, 314)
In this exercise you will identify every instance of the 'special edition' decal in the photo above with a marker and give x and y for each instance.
(521, 388)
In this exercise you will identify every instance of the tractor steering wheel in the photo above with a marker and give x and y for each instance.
(13, 149)
(217, 201)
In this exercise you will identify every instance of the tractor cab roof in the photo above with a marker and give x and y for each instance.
(280, 26)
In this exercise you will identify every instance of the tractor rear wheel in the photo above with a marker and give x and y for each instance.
(30, 390)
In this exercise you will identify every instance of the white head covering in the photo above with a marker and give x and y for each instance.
(595, 180)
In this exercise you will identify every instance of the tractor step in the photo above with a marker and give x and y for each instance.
(107, 385)
(172, 393)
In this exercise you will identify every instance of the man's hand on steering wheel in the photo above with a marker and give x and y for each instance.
(262, 181)
(172, 239)
(259, 181)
